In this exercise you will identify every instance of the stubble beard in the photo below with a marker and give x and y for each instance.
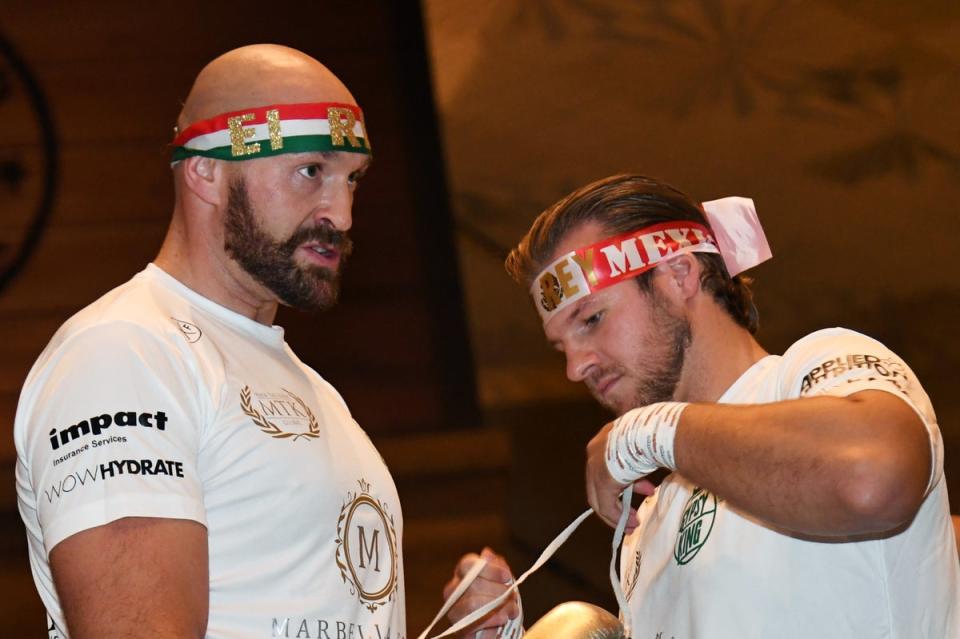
(272, 263)
(658, 372)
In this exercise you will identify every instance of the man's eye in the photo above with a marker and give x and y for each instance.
(309, 171)
(593, 320)
(354, 179)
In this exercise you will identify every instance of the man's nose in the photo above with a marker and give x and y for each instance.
(580, 363)
(336, 207)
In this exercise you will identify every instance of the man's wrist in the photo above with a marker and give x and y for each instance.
(641, 441)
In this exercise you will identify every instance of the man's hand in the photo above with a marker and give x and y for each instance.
(603, 491)
(492, 581)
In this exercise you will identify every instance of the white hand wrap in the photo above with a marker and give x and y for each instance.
(641, 441)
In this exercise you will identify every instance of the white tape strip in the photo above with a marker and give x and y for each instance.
(617, 540)
(481, 612)
(456, 594)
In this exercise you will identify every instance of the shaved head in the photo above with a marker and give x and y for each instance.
(266, 224)
(260, 75)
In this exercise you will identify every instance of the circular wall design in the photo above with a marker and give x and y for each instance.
(28, 163)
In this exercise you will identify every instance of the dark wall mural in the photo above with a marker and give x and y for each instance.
(28, 162)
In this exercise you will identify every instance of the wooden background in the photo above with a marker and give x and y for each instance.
(112, 75)
(838, 117)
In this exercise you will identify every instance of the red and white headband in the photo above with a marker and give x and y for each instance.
(734, 233)
(275, 129)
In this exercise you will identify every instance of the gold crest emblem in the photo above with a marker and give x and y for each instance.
(551, 293)
(363, 529)
(276, 408)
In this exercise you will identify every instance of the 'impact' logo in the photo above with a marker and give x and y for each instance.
(99, 423)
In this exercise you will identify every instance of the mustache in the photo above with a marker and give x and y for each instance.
(339, 240)
(597, 375)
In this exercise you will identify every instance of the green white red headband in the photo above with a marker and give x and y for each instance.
(734, 233)
(275, 129)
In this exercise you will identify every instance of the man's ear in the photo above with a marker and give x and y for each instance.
(683, 275)
(203, 177)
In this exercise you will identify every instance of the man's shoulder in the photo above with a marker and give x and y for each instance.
(134, 312)
(828, 339)
(838, 358)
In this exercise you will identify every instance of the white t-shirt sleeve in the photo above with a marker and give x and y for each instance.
(840, 362)
(110, 423)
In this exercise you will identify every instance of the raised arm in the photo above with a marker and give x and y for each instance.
(134, 577)
(820, 466)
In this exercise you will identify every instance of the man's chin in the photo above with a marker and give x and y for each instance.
(321, 297)
(610, 402)
(317, 304)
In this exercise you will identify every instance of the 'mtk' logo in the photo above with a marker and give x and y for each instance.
(280, 415)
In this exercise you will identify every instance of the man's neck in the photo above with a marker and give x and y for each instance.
(221, 281)
(721, 351)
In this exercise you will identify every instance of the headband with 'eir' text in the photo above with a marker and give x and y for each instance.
(275, 129)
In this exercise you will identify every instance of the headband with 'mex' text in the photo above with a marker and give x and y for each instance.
(734, 233)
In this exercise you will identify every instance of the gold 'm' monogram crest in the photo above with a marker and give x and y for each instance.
(364, 528)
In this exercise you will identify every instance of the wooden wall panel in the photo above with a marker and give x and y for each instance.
(75, 265)
(114, 74)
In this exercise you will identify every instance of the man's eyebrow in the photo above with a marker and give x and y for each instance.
(577, 309)
(332, 155)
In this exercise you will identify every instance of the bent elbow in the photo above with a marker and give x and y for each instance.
(882, 493)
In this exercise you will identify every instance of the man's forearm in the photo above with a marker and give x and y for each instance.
(826, 466)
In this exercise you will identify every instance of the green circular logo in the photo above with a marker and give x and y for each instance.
(695, 525)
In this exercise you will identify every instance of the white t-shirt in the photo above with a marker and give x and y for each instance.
(157, 402)
(698, 568)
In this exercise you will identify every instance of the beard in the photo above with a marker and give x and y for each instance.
(663, 372)
(657, 373)
(272, 263)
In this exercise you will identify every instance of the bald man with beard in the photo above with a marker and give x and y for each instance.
(181, 473)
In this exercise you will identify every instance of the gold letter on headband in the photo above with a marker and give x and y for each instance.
(565, 276)
(585, 262)
(339, 128)
(273, 128)
(239, 136)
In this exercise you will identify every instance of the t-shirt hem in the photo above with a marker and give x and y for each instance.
(89, 516)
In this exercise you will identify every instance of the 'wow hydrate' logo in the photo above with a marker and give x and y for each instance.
(111, 470)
